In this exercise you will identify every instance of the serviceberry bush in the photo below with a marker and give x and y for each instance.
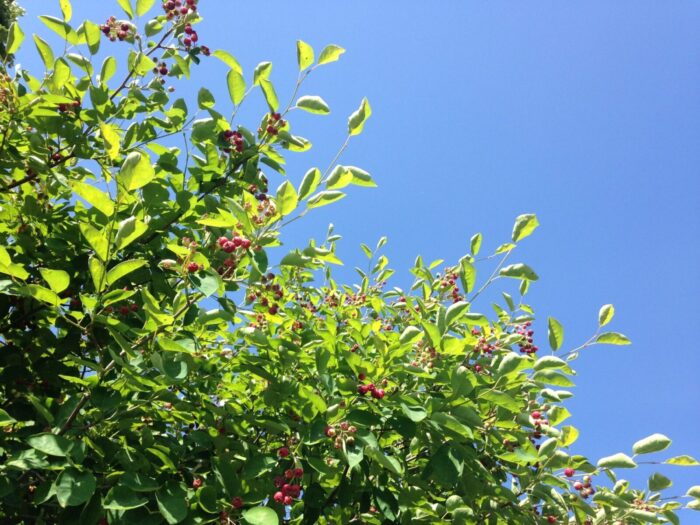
(162, 360)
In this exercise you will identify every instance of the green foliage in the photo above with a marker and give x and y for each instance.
(158, 365)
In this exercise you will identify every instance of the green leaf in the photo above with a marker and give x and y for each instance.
(205, 99)
(109, 67)
(58, 280)
(62, 29)
(339, 178)
(136, 171)
(99, 199)
(552, 377)
(467, 275)
(45, 52)
(305, 55)
(124, 268)
(613, 338)
(356, 121)
(390, 463)
(73, 487)
(126, 6)
(111, 141)
(6, 419)
(524, 226)
(410, 335)
(260, 516)
(455, 311)
(313, 104)
(270, 94)
(414, 413)
(618, 460)
(15, 38)
(228, 59)
(360, 177)
(50, 444)
(129, 230)
(40, 294)
(694, 491)
(555, 332)
(262, 72)
(330, 53)
(606, 314)
(206, 497)
(66, 9)
(143, 6)
(519, 271)
(236, 86)
(309, 183)
(120, 497)
(683, 461)
(286, 198)
(475, 244)
(325, 197)
(96, 239)
(93, 36)
(97, 271)
(569, 435)
(653, 443)
(658, 482)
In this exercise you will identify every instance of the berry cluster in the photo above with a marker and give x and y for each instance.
(526, 346)
(482, 345)
(450, 281)
(235, 139)
(193, 267)
(161, 69)
(537, 417)
(124, 309)
(342, 432)
(584, 487)
(425, 355)
(233, 244)
(363, 389)
(274, 124)
(176, 8)
(71, 108)
(116, 30)
(191, 35)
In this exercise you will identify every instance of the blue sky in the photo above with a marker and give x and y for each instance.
(587, 114)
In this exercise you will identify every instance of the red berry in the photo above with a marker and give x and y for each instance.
(187, 42)
(568, 472)
(362, 389)
(124, 310)
(551, 519)
(221, 241)
(536, 414)
(361, 376)
(245, 243)
(289, 473)
(288, 500)
(237, 502)
(298, 472)
(283, 452)
(192, 267)
(278, 497)
(378, 393)
(196, 483)
(578, 485)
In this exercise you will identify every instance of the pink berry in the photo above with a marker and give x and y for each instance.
(568, 472)
(283, 452)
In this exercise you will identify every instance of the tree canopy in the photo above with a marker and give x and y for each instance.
(164, 360)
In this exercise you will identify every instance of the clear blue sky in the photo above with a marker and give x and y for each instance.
(586, 113)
